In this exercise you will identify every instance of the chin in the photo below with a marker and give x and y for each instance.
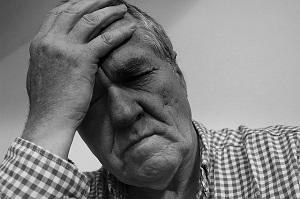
(154, 169)
(156, 173)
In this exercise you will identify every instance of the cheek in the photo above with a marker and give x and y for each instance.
(173, 96)
(169, 88)
(175, 101)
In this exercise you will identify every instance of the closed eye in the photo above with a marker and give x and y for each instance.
(137, 77)
(133, 69)
(138, 80)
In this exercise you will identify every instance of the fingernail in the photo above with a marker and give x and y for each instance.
(123, 7)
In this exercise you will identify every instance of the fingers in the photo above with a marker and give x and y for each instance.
(93, 23)
(107, 41)
(66, 20)
(51, 17)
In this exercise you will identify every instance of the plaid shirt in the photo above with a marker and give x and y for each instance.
(242, 163)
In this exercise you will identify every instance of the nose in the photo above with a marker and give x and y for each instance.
(123, 107)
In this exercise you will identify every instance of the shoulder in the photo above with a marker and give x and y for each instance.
(249, 161)
(244, 136)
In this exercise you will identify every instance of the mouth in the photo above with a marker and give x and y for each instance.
(137, 142)
(140, 136)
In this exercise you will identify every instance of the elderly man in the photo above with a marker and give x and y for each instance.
(108, 70)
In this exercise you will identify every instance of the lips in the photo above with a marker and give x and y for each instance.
(136, 142)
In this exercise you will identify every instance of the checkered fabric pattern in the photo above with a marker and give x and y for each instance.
(242, 163)
(252, 163)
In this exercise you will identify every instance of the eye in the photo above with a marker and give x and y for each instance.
(139, 80)
(139, 76)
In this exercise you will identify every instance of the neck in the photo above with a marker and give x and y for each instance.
(185, 183)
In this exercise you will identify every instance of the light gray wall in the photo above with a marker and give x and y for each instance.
(240, 57)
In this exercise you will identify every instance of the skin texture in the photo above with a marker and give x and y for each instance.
(139, 126)
(91, 70)
(64, 60)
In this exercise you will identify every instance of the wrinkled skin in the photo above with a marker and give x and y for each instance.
(132, 111)
(64, 57)
(140, 127)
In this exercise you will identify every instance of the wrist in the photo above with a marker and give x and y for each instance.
(52, 134)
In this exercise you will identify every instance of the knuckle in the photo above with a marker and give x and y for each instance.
(91, 19)
(104, 12)
(33, 46)
(107, 38)
(39, 44)
(54, 11)
(72, 10)
(47, 46)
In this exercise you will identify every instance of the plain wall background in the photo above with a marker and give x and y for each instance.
(241, 60)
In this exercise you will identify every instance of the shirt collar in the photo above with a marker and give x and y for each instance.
(203, 136)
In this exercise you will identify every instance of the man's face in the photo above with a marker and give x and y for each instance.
(139, 122)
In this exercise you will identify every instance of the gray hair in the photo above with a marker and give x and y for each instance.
(155, 34)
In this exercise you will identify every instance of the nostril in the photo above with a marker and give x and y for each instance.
(125, 114)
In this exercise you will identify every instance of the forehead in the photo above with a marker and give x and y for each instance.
(137, 46)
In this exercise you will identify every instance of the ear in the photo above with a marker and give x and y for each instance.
(178, 71)
(180, 76)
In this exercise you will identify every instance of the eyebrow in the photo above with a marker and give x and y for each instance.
(132, 67)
